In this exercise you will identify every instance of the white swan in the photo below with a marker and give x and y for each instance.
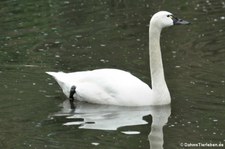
(118, 87)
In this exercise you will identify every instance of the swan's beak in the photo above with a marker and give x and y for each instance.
(177, 21)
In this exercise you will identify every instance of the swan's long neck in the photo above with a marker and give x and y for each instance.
(156, 65)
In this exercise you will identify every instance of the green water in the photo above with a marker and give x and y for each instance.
(39, 36)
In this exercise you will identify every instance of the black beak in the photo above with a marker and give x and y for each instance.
(177, 21)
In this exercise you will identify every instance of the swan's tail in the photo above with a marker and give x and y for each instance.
(59, 77)
(51, 73)
(55, 74)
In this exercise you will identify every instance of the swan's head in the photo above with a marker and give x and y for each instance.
(164, 19)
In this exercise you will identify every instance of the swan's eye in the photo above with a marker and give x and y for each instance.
(170, 16)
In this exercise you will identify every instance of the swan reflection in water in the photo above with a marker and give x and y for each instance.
(108, 117)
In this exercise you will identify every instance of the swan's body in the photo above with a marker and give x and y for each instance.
(118, 87)
(106, 86)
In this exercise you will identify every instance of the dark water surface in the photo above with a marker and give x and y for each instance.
(39, 36)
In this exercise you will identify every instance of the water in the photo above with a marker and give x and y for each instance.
(81, 35)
